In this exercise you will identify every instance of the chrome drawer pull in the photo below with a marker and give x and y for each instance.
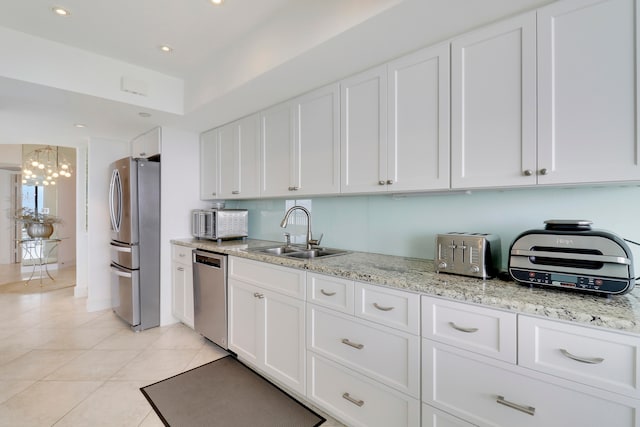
(463, 329)
(590, 360)
(379, 307)
(329, 294)
(530, 410)
(352, 400)
(352, 344)
(180, 268)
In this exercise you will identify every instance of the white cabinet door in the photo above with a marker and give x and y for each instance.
(418, 141)
(364, 132)
(587, 92)
(178, 279)
(493, 105)
(182, 284)
(316, 165)
(209, 165)
(244, 316)
(239, 175)
(283, 339)
(147, 145)
(276, 150)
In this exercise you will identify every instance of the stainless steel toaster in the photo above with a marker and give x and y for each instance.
(468, 254)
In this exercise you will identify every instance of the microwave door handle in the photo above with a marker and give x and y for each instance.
(610, 259)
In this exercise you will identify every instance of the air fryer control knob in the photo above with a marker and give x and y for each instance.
(474, 269)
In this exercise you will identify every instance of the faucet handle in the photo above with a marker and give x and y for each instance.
(315, 242)
(287, 237)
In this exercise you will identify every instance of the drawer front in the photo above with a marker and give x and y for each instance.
(390, 307)
(181, 254)
(488, 392)
(331, 292)
(432, 417)
(590, 356)
(478, 329)
(385, 354)
(287, 281)
(356, 399)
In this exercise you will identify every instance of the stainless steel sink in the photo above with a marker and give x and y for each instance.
(298, 252)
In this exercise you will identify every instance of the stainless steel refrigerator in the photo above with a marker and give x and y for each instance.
(134, 208)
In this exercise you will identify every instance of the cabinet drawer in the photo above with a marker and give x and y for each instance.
(356, 399)
(181, 254)
(390, 307)
(287, 281)
(488, 392)
(385, 354)
(594, 357)
(478, 329)
(432, 417)
(331, 292)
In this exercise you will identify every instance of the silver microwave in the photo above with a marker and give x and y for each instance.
(218, 224)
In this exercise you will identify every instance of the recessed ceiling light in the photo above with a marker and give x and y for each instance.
(143, 114)
(165, 48)
(217, 2)
(60, 11)
(80, 125)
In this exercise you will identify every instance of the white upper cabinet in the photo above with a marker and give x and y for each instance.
(395, 125)
(147, 145)
(587, 93)
(276, 150)
(418, 121)
(493, 105)
(364, 132)
(209, 165)
(239, 159)
(316, 165)
(301, 145)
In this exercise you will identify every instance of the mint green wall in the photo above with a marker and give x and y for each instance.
(407, 226)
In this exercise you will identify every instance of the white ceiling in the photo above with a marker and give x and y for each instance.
(231, 60)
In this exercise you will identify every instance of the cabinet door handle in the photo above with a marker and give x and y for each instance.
(463, 329)
(294, 188)
(381, 182)
(530, 410)
(180, 268)
(258, 295)
(590, 360)
(527, 172)
(543, 171)
(235, 192)
(329, 294)
(352, 344)
(143, 154)
(382, 308)
(352, 400)
(181, 255)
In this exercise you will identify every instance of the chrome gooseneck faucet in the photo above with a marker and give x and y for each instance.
(285, 220)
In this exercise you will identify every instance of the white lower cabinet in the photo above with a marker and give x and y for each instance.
(489, 392)
(267, 329)
(432, 417)
(382, 353)
(356, 399)
(182, 284)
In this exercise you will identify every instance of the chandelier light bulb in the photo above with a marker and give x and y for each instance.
(55, 175)
(63, 166)
(53, 183)
(34, 163)
(40, 166)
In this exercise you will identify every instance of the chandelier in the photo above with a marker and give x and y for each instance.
(44, 166)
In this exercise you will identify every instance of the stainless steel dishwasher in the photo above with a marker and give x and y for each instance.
(210, 296)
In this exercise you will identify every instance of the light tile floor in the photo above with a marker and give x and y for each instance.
(63, 366)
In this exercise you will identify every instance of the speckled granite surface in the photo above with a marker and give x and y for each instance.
(417, 275)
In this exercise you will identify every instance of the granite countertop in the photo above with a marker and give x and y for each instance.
(620, 312)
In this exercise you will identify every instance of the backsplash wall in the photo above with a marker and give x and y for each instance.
(407, 225)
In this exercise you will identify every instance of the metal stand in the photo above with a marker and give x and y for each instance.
(34, 249)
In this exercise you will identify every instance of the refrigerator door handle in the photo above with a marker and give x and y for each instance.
(120, 273)
(115, 200)
(119, 248)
